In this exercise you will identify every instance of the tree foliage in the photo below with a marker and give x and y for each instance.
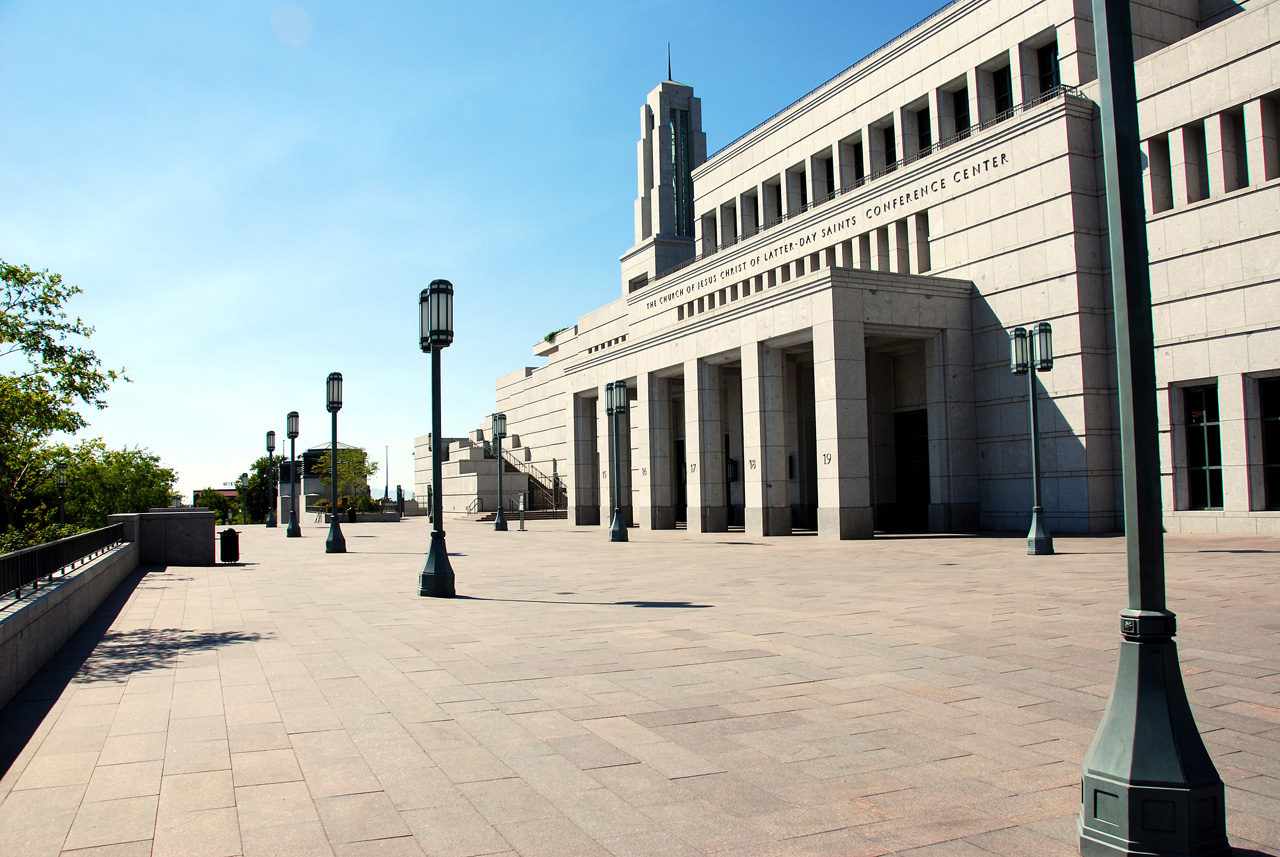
(46, 372)
(224, 508)
(354, 470)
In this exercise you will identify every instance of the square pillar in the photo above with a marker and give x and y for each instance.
(655, 494)
(1185, 157)
(1234, 440)
(1024, 74)
(900, 247)
(873, 146)
(843, 447)
(768, 507)
(604, 459)
(953, 450)
(1220, 146)
(882, 252)
(704, 448)
(583, 499)
(942, 116)
(1261, 140)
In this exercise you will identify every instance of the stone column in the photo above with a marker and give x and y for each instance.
(1234, 435)
(906, 133)
(655, 498)
(941, 116)
(873, 148)
(1156, 181)
(1184, 157)
(1220, 146)
(1023, 73)
(882, 252)
(840, 394)
(768, 509)
(982, 102)
(899, 247)
(1261, 140)
(953, 452)
(583, 498)
(704, 447)
(604, 458)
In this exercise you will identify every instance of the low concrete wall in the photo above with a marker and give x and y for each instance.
(171, 537)
(32, 631)
(367, 517)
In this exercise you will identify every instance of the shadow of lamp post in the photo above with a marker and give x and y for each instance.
(333, 395)
(1149, 786)
(435, 333)
(1028, 350)
(498, 424)
(615, 397)
(293, 531)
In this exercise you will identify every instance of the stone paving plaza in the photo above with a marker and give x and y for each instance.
(677, 695)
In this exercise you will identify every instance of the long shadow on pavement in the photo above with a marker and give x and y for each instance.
(94, 653)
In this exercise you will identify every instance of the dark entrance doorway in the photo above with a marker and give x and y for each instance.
(911, 472)
(681, 483)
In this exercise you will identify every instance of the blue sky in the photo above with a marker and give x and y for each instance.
(252, 195)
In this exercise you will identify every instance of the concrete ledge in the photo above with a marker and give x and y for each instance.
(171, 536)
(33, 629)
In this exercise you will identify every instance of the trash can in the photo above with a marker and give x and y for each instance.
(351, 514)
(230, 543)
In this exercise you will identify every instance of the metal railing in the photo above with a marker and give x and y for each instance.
(473, 506)
(548, 486)
(28, 565)
(1059, 91)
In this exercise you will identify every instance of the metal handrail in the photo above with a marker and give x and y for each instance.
(1061, 89)
(540, 480)
(473, 506)
(28, 565)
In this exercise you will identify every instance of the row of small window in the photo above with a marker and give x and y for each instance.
(1228, 151)
(901, 247)
(608, 343)
(945, 116)
(1202, 445)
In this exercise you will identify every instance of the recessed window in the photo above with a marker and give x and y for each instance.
(1047, 61)
(960, 107)
(1204, 447)
(1269, 409)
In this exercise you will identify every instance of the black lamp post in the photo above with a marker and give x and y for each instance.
(244, 499)
(1149, 786)
(498, 423)
(271, 479)
(333, 393)
(1034, 349)
(60, 476)
(615, 398)
(435, 333)
(293, 531)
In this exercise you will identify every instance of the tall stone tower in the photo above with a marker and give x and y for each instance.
(671, 145)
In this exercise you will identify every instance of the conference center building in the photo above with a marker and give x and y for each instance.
(813, 324)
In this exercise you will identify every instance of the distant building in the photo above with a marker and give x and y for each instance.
(814, 321)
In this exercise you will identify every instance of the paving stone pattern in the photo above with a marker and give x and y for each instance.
(677, 695)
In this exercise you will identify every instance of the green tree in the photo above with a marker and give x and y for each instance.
(103, 482)
(354, 470)
(45, 372)
(259, 496)
(224, 508)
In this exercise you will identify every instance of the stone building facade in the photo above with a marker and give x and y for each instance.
(814, 321)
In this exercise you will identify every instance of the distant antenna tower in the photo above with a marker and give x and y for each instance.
(669, 77)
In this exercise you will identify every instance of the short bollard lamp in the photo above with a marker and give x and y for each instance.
(333, 395)
(293, 531)
(498, 424)
(60, 476)
(271, 479)
(1034, 350)
(615, 399)
(244, 498)
(435, 333)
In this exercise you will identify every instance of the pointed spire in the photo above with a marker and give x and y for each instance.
(669, 61)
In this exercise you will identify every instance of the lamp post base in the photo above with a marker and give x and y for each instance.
(500, 521)
(1149, 786)
(436, 579)
(618, 530)
(271, 519)
(335, 543)
(293, 531)
(1039, 542)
